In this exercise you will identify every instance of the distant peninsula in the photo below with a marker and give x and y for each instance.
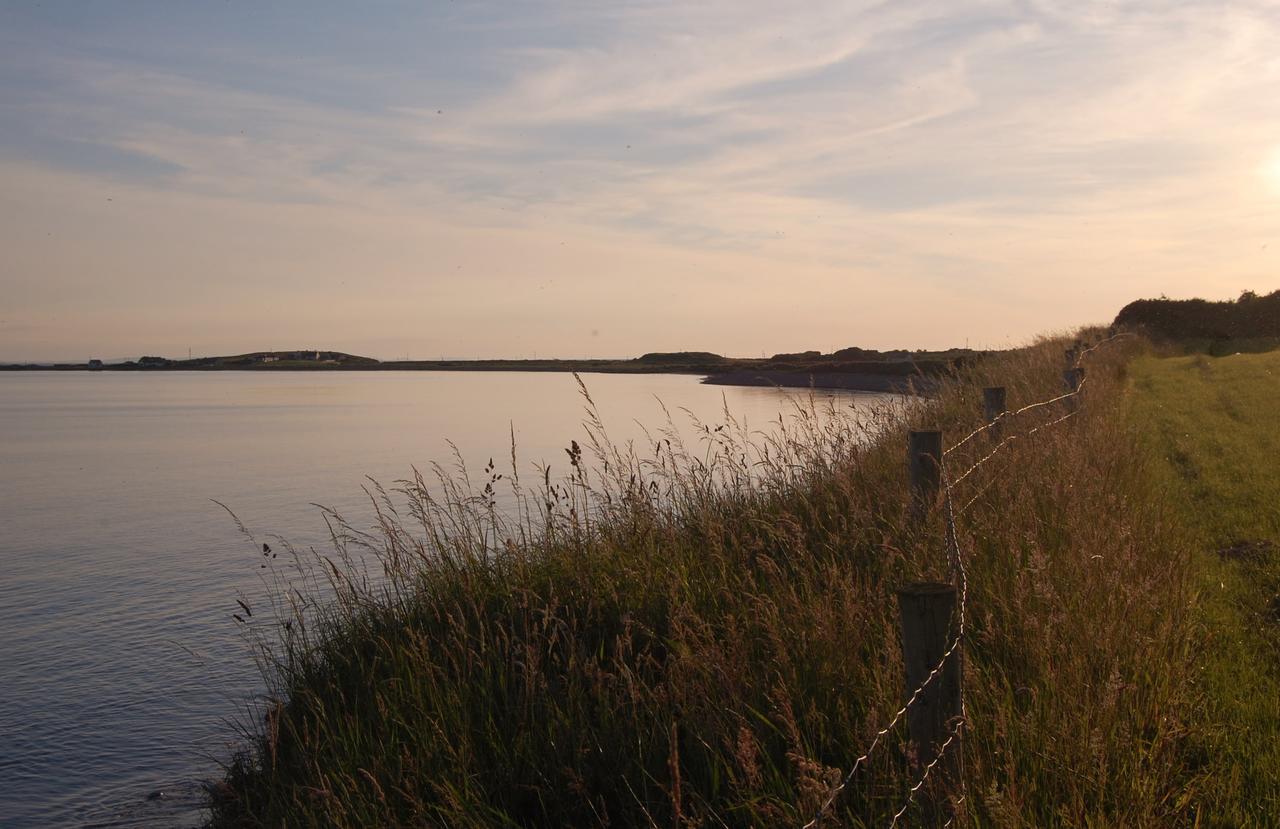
(849, 368)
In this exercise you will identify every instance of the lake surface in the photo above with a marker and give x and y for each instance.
(120, 665)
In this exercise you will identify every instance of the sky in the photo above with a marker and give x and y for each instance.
(589, 179)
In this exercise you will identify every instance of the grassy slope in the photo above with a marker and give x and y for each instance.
(686, 648)
(1215, 422)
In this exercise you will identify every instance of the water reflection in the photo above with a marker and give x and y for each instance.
(122, 663)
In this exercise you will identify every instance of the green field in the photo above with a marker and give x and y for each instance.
(1214, 423)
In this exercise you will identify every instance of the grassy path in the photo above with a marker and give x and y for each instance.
(1215, 422)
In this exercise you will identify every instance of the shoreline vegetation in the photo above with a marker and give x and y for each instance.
(706, 635)
(851, 368)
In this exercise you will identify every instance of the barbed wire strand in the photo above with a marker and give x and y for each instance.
(995, 450)
(1102, 342)
(924, 776)
(1051, 400)
(985, 489)
(984, 427)
(1044, 426)
(959, 801)
(897, 717)
(989, 484)
(1005, 442)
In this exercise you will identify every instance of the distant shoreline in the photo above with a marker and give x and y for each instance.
(915, 374)
(912, 384)
(907, 383)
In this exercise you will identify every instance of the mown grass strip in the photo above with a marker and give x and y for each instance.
(1214, 425)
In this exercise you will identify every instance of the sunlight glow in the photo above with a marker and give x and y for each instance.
(1271, 171)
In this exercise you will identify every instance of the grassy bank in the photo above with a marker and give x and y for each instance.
(707, 635)
(1215, 426)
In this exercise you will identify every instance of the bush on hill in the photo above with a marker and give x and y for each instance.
(680, 357)
(1249, 316)
(799, 356)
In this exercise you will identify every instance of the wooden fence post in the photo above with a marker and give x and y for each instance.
(1072, 378)
(926, 609)
(924, 466)
(993, 406)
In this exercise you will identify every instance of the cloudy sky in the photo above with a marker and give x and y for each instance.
(474, 179)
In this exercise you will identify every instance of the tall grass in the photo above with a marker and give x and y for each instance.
(705, 634)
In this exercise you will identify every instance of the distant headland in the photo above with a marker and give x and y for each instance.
(849, 368)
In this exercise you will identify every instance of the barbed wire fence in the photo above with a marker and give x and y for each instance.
(941, 749)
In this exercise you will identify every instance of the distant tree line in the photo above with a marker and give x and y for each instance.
(1247, 317)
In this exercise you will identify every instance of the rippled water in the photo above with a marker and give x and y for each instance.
(120, 666)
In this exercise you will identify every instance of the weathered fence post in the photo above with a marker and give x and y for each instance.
(926, 609)
(993, 407)
(1072, 378)
(924, 465)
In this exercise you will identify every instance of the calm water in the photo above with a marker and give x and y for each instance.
(120, 665)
